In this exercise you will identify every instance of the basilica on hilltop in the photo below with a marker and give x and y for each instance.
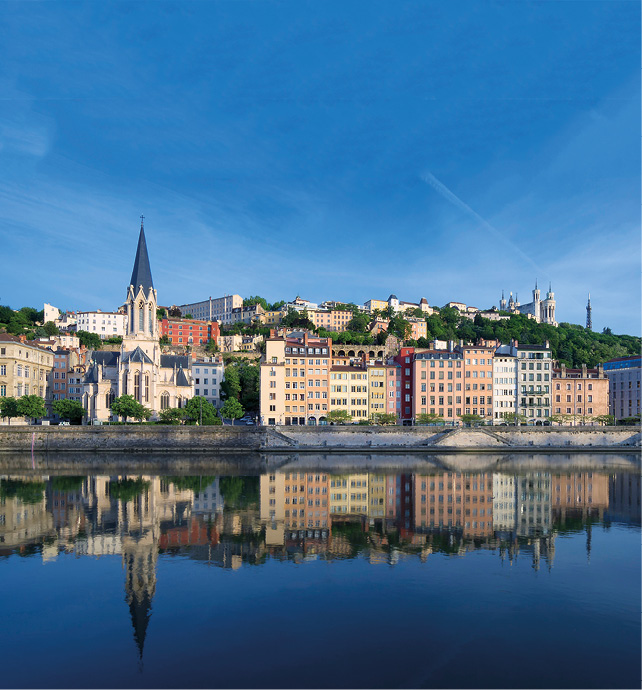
(155, 380)
(542, 310)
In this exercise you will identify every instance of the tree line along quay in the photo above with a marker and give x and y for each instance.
(387, 362)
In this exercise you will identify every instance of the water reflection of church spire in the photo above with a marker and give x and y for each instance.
(139, 560)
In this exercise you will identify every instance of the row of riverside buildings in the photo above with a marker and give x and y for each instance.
(304, 377)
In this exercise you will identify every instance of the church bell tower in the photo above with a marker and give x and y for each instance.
(141, 295)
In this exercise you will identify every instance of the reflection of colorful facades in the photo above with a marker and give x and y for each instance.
(533, 503)
(306, 500)
(587, 492)
(452, 499)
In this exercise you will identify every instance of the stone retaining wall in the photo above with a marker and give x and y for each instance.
(232, 439)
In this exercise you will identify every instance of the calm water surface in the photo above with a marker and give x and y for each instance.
(312, 579)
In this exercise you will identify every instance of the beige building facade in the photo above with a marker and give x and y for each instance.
(295, 380)
(25, 368)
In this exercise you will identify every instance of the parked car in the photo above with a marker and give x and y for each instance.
(64, 424)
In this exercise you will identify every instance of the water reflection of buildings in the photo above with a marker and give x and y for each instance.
(301, 515)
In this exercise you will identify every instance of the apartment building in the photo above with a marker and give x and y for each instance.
(24, 367)
(478, 375)
(504, 382)
(437, 381)
(384, 389)
(213, 309)
(189, 331)
(418, 328)
(580, 394)
(295, 379)
(349, 390)
(332, 319)
(239, 343)
(65, 361)
(274, 318)
(624, 377)
(106, 324)
(397, 305)
(251, 314)
(208, 374)
(535, 371)
(300, 304)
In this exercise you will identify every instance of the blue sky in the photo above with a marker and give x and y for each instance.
(336, 150)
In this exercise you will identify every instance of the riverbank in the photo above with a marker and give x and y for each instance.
(336, 439)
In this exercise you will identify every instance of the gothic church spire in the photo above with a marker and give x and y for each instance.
(142, 273)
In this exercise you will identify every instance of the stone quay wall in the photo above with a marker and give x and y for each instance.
(232, 439)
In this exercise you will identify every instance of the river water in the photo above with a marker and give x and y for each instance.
(310, 578)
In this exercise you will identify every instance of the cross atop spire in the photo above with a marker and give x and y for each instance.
(142, 274)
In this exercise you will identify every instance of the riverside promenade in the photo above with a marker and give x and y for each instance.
(157, 439)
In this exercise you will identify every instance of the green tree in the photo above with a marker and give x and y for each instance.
(161, 313)
(384, 418)
(68, 483)
(127, 406)
(26, 491)
(429, 418)
(91, 341)
(605, 419)
(127, 489)
(276, 305)
(171, 415)
(195, 483)
(6, 314)
(471, 419)
(400, 327)
(251, 301)
(212, 347)
(32, 406)
(232, 409)
(9, 408)
(249, 375)
(231, 385)
(514, 418)
(51, 328)
(200, 410)
(339, 417)
(358, 323)
(188, 316)
(164, 340)
(71, 410)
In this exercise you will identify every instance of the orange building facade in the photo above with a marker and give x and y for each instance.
(581, 393)
(189, 331)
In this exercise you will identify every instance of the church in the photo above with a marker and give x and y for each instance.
(156, 380)
(542, 310)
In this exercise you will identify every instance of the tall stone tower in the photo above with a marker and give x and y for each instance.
(141, 296)
(547, 308)
(589, 319)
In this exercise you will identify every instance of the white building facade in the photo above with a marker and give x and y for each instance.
(213, 309)
(208, 374)
(105, 324)
(504, 382)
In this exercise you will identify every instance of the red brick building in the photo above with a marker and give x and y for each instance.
(189, 331)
